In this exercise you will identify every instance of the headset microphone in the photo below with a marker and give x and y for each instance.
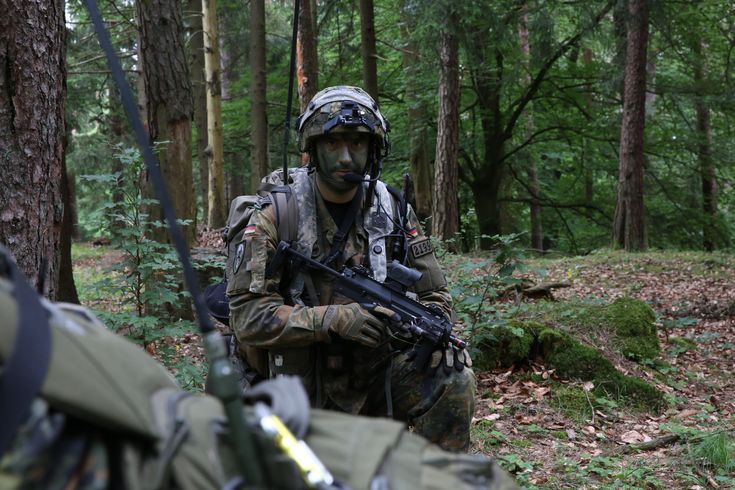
(356, 179)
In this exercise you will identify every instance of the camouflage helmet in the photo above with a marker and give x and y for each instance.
(342, 107)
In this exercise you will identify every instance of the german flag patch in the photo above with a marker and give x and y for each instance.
(250, 229)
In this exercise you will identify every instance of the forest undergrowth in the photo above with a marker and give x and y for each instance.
(554, 432)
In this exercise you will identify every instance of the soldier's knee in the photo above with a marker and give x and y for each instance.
(461, 385)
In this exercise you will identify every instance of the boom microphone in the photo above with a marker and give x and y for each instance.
(356, 179)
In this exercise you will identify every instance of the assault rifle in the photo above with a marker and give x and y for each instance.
(426, 324)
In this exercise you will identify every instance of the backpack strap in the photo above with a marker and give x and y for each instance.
(26, 366)
(287, 213)
(400, 217)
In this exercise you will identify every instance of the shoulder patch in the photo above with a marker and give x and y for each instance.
(421, 248)
(239, 255)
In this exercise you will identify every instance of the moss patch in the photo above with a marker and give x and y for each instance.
(519, 341)
(573, 402)
(504, 345)
(633, 323)
(628, 323)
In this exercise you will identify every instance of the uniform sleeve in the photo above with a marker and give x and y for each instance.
(258, 315)
(432, 287)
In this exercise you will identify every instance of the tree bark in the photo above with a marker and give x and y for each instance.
(199, 89)
(629, 225)
(32, 91)
(169, 98)
(214, 152)
(418, 113)
(368, 49)
(258, 101)
(445, 214)
(704, 151)
(307, 65)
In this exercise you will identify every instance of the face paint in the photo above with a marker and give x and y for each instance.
(340, 154)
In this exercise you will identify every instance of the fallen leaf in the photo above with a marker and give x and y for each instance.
(571, 434)
(588, 386)
(632, 437)
(686, 413)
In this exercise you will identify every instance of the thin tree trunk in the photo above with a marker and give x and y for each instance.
(445, 215)
(170, 105)
(199, 89)
(368, 50)
(537, 234)
(32, 91)
(258, 101)
(418, 113)
(589, 184)
(67, 289)
(216, 207)
(629, 225)
(704, 151)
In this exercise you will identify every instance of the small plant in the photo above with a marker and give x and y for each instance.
(147, 277)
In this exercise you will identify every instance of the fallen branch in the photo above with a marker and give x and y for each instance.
(651, 445)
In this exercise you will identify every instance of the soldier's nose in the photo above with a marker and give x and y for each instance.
(344, 153)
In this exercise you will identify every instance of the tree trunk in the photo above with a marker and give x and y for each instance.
(445, 215)
(32, 91)
(169, 97)
(620, 31)
(537, 234)
(418, 114)
(629, 225)
(368, 49)
(704, 151)
(199, 89)
(67, 289)
(307, 65)
(258, 101)
(216, 206)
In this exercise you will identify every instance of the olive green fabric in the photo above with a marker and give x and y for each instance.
(93, 374)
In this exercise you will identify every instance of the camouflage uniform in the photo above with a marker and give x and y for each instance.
(339, 374)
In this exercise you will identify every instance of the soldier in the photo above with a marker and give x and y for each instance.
(100, 413)
(345, 355)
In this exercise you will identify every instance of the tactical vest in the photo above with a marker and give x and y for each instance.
(312, 363)
(298, 211)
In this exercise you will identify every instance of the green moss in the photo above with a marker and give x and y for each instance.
(633, 323)
(572, 402)
(504, 345)
(517, 341)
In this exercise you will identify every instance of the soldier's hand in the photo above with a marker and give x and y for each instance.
(353, 322)
(449, 358)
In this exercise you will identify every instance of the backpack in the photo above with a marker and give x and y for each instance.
(271, 191)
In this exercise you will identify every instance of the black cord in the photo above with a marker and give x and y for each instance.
(289, 100)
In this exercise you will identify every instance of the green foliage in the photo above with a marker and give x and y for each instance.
(714, 452)
(147, 277)
(477, 284)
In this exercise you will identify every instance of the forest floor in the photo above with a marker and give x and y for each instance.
(518, 419)
(548, 446)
